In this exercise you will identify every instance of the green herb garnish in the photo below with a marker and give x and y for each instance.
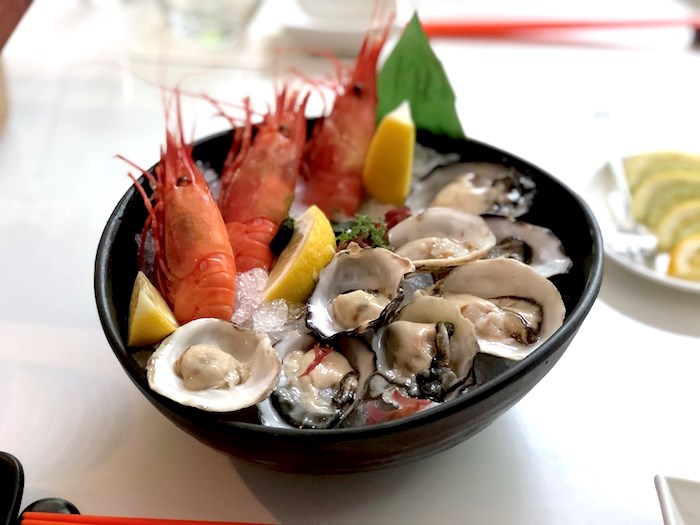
(365, 231)
(412, 72)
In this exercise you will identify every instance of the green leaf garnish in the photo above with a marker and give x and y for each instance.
(365, 231)
(412, 72)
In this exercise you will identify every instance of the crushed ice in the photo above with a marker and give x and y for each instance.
(252, 311)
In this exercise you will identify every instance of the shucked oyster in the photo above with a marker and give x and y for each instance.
(441, 237)
(358, 288)
(428, 349)
(534, 245)
(213, 365)
(513, 308)
(320, 383)
(475, 187)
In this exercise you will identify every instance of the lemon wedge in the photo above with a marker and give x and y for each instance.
(680, 221)
(310, 249)
(150, 317)
(389, 162)
(658, 193)
(685, 258)
(639, 167)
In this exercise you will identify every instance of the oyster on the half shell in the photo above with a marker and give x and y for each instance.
(357, 289)
(214, 365)
(441, 237)
(475, 187)
(534, 245)
(321, 382)
(428, 348)
(512, 307)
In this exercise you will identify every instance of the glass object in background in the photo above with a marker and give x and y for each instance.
(209, 20)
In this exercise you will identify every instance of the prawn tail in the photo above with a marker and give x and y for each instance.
(251, 243)
(208, 291)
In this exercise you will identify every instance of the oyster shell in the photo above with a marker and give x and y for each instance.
(428, 349)
(512, 307)
(441, 237)
(475, 187)
(215, 366)
(356, 290)
(320, 383)
(534, 245)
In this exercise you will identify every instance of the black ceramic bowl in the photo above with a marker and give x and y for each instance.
(386, 444)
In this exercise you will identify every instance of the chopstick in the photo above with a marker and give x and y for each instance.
(500, 27)
(51, 518)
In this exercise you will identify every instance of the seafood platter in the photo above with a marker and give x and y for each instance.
(426, 319)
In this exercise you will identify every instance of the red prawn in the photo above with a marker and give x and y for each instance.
(194, 265)
(259, 179)
(335, 154)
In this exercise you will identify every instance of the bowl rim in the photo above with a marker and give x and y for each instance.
(573, 320)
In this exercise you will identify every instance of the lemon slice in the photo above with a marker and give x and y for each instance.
(150, 317)
(639, 167)
(660, 192)
(682, 220)
(685, 258)
(311, 247)
(389, 162)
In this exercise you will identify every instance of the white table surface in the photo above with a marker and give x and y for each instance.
(581, 447)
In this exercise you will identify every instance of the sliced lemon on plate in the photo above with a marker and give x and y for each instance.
(389, 162)
(150, 317)
(685, 258)
(639, 167)
(660, 192)
(310, 249)
(680, 221)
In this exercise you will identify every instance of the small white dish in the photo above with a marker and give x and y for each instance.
(340, 35)
(599, 194)
(679, 499)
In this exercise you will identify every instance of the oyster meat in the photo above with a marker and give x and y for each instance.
(441, 237)
(428, 349)
(357, 289)
(215, 366)
(512, 307)
(475, 187)
(534, 245)
(320, 383)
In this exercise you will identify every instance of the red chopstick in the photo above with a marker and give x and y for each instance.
(51, 518)
(499, 27)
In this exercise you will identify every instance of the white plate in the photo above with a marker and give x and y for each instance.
(341, 36)
(599, 194)
(679, 499)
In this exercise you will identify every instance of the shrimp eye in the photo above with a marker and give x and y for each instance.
(358, 89)
(284, 130)
(184, 181)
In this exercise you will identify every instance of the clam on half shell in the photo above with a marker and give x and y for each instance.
(215, 366)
